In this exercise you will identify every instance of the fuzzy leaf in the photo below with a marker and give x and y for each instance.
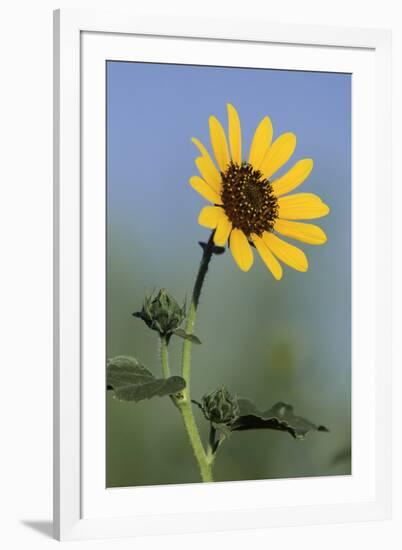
(131, 381)
(279, 417)
(183, 334)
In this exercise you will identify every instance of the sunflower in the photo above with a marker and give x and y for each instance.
(250, 206)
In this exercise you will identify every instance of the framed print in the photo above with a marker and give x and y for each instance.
(222, 274)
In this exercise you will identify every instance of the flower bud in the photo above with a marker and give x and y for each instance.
(220, 406)
(161, 313)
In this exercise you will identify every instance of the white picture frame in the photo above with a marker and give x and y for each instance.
(83, 507)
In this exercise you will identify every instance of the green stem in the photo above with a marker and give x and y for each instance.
(195, 299)
(189, 421)
(165, 357)
(184, 404)
(195, 440)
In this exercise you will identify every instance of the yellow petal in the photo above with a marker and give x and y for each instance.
(212, 173)
(287, 253)
(209, 172)
(219, 144)
(293, 178)
(302, 206)
(261, 142)
(234, 134)
(278, 154)
(210, 216)
(222, 231)
(241, 250)
(268, 258)
(304, 232)
(201, 147)
(205, 190)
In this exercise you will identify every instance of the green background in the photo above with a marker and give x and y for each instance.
(267, 341)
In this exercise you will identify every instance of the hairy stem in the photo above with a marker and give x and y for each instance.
(184, 404)
(165, 357)
(195, 440)
(195, 299)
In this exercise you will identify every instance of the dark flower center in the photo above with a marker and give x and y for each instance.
(248, 199)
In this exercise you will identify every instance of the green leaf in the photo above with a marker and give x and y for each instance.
(183, 334)
(279, 417)
(131, 381)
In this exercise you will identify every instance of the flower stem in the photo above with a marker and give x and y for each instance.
(184, 404)
(202, 271)
(195, 440)
(165, 357)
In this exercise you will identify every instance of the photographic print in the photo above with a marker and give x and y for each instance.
(228, 274)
